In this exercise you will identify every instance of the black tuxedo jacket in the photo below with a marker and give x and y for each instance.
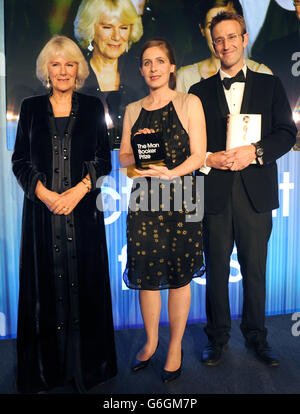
(264, 94)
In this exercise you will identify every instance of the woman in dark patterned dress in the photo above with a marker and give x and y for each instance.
(164, 245)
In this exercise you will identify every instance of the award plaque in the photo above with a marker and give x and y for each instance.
(148, 149)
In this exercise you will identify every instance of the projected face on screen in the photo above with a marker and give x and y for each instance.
(110, 42)
(107, 29)
(111, 37)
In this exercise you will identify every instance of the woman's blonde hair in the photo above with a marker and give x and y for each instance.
(67, 48)
(90, 12)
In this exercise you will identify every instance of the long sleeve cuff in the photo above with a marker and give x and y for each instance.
(205, 169)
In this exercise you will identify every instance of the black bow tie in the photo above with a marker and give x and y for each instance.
(240, 77)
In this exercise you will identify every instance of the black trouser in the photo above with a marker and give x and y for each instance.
(250, 230)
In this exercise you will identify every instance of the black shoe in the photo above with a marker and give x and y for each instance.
(168, 376)
(212, 353)
(264, 353)
(138, 365)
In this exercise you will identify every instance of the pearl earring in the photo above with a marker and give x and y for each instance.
(48, 84)
(90, 47)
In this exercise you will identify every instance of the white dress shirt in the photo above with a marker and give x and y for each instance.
(234, 98)
(234, 95)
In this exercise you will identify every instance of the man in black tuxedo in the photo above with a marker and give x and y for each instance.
(239, 194)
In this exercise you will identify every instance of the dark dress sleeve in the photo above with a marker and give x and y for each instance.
(101, 165)
(23, 168)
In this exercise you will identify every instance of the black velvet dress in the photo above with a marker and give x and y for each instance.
(65, 324)
(164, 243)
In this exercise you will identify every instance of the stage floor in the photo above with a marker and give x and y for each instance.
(239, 372)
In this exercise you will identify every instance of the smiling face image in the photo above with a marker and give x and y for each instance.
(156, 67)
(111, 37)
(209, 16)
(62, 73)
(231, 44)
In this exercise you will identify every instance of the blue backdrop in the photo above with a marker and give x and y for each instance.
(283, 268)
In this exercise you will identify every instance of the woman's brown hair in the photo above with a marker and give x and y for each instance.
(165, 45)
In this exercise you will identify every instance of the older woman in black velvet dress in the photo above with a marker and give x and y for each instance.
(65, 325)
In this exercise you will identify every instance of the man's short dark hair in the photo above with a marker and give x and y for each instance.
(223, 16)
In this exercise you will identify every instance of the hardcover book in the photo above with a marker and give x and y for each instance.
(243, 129)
